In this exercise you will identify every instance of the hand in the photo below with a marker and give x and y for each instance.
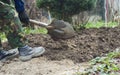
(24, 17)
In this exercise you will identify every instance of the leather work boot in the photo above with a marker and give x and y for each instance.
(27, 53)
(5, 55)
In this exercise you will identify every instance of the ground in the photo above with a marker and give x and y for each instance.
(63, 57)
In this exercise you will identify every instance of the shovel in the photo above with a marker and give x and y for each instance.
(57, 29)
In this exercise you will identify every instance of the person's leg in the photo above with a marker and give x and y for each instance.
(16, 38)
(4, 55)
(13, 30)
(14, 33)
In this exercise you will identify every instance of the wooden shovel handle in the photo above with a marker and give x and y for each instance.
(38, 23)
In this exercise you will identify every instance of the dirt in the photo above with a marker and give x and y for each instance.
(63, 57)
(88, 44)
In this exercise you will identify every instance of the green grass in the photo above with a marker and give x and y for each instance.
(100, 24)
(96, 25)
(35, 31)
(3, 38)
(27, 31)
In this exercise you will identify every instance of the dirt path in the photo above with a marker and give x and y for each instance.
(41, 66)
(65, 56)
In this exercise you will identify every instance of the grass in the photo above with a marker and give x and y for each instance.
(100, 24)
(27, 31)
(3, 38)
(96, 25)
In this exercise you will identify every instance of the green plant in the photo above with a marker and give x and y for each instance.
(64, 9)
(104, 65)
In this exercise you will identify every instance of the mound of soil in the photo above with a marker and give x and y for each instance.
(88, 44)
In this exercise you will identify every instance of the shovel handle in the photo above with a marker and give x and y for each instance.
(38, 23)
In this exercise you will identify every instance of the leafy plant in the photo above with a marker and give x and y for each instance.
(104, 65)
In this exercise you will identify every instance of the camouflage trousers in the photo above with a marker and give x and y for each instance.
(11, 26)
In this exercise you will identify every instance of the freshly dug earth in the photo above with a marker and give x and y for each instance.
(87, 44)
(64, 57)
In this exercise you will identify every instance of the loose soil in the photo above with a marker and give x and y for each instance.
(88, 44)
(64, 56)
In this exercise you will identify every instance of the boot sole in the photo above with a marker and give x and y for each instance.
(26, 58)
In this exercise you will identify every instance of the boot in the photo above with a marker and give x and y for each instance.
(27, 53)
(5, 55)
